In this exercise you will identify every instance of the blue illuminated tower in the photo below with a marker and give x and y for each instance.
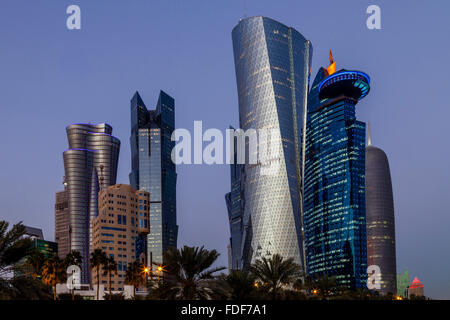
(152, 170)
(334, 194)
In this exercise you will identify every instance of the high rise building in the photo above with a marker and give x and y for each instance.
(123, 219)
(90, 164)
(152, 170)
(380, 218)
(272, 63)
(403, 283)
(235, 207)
(62, 222)
(334, 201)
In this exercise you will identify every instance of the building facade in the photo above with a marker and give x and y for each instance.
(152, 170)
(272, 63)
(123, 219)
(416, 289)
(235, 207)
(47, 248)
(334, 202)
(90, 164)
(62, 225)
(380, 218)
(403, 283)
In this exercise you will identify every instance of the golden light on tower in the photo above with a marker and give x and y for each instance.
(332, 67)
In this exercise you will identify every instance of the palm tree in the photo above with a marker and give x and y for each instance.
(34, 263)
(73, 258)
(189, 276)
(98, 258)
(13, 247)
(54, 272)
(110, 266)
(135, 276)
(275, 273)
(242, 285)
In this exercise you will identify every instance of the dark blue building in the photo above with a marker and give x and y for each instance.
(152, 170)
(334, 192)
(235, 207)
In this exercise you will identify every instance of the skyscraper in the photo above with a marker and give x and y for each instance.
(235, 207)
(380, 218)
(90, 163)
(62, 219)
(272, 63)
(152, 170)
(334, 201)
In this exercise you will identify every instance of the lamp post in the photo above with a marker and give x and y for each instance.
(146, 271)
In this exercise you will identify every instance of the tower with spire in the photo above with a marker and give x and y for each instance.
(334, 199)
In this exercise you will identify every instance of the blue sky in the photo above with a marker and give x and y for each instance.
(51, 77)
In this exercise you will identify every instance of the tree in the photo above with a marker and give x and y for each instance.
(54, 272)
(189, 276)
(26, 288)
(242, 285)
(109, 267)
(275, 273)
(135, 276)
(325, 286)
(73, 258)
(13, 248)
(98, 258)
(34, 263)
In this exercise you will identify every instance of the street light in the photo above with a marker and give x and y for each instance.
(159, 270)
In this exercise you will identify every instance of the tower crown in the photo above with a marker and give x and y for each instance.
(352, 84)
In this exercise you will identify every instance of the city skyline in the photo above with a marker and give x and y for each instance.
(91, 84)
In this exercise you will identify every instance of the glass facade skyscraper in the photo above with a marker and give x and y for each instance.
(235, 207)
(334, 202)
(90, 163)
(272, 63)
(380, 218)
(152, 170)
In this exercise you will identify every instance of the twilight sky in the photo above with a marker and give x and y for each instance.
(51, 77)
